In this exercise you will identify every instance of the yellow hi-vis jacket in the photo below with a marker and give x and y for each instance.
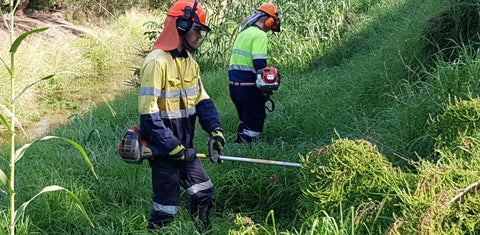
(171, 97)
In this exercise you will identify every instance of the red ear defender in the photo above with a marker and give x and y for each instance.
(273, 21)
(269, 22)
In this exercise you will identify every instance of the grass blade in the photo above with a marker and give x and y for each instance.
(28, 86)
(52, 188)
(19, 40)
(14, 119)
(4, 121)
(114, 113)
(21, 151)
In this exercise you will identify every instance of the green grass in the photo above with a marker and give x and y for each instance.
(360, 87)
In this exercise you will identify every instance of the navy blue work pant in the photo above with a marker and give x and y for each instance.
(250, 104)
(167, 178)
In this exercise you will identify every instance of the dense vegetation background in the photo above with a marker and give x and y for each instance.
(381, 93)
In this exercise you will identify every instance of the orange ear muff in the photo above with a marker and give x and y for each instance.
(269, 22)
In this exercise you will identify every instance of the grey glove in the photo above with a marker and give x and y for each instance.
(190, 154)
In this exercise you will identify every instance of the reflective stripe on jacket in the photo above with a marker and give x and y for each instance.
(171, 96)
(249, 55)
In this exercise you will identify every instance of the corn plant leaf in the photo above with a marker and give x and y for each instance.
(5, 182)
(6, 66)
(20, 38)
(4, 121)
(29, 85)
(14, 118)
(21, 151)
(21, 210)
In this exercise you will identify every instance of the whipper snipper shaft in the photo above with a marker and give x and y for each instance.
(219, 157)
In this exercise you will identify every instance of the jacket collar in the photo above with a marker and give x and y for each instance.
(175, 53)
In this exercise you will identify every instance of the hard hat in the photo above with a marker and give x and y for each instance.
(183, 14)
(273, 21)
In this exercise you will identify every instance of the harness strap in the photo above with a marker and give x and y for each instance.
(242, 83)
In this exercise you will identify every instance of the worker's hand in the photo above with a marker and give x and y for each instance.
(216, 159)
(190, 154)
(177, 154)
(181, 154)
(217, 136)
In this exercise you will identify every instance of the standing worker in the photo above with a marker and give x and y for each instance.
(249, 58)
(171, 98)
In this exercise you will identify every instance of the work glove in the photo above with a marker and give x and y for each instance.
(190, 154)
(179, 153)
(217, 136)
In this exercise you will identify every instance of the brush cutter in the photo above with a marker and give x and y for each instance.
(219, 157)
(268, 81)
(133, 149)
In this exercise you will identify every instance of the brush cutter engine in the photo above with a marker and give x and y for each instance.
(133, 149)
(268, 80)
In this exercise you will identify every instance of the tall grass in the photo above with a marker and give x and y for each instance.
(101, 65)
(300, 40)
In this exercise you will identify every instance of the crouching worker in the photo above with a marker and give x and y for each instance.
(171, 98)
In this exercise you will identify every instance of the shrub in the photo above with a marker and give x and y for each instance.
(444, 202)
(354, 174)
(458, 24)
(457, 129)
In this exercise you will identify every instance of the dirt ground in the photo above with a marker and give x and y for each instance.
(35, 20)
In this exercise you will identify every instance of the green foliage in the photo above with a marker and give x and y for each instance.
(247, 226)
(455, 78)
(457, 24)
(41, 4)
(430, 93)
(457, 130)
(353, 174)
(300, 41)
(86, 9)
(155, 29)
(303, 39)
(165, 4)
(444, 201)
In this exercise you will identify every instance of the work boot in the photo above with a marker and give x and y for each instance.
(241, 140)
(201, 217)
(156, 225)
